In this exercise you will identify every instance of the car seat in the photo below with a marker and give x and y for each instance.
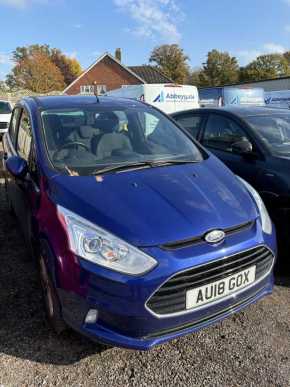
(109, 140)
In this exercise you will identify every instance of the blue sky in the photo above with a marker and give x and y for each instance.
(87, 28)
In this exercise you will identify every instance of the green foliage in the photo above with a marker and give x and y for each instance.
(219, 69)
(287, 57)
(37, 73)
(69, 67)
(195, 78)
(171, 61)
(61, 70)
(266, 67)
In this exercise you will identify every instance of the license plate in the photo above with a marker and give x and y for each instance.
(220, 289)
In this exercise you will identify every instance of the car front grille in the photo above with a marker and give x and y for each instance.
(3, 125)
(170, 298)
(200, 239)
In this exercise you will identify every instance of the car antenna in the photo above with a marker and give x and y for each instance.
(96, 92)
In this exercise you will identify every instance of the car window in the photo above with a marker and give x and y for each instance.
(113, 136)
(13, 125)
(222, 132)
(24, 136)
(191, 123)
(5, 107)
(274, 131)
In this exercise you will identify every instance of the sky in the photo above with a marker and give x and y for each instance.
(86, 28)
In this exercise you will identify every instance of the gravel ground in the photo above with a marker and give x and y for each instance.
(250, 349)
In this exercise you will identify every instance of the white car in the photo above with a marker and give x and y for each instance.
(5, 115)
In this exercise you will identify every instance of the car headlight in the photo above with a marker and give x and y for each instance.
(94, 244)
(265, 218)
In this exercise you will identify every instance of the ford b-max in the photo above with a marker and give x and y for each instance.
(140, 233)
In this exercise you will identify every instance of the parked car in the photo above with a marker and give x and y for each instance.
(5, 115)
(141, 235)
(254, 142)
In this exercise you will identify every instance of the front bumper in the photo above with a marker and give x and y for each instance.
(103, 334)
(123, 319)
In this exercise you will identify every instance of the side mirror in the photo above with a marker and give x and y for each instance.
(17, 166)
(242, 147)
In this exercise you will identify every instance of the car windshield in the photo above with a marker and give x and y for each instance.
(5, 108)
(83, 141)
(274, 130)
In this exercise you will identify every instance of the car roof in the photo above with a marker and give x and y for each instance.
(77, 101)
(241, 111)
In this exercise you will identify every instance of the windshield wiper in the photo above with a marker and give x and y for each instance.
(122, 167)
(141, 164)
(158, 163)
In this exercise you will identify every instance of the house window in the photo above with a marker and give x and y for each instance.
(89, 89)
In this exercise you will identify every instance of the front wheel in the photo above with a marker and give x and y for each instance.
(51, 301)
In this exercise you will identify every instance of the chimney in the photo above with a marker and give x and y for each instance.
(118, 54)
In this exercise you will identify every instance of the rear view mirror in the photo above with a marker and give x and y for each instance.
(242, 147)
(17, 166)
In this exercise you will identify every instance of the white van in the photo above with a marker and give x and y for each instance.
(169, 98)
(280, 99)
(5, 115)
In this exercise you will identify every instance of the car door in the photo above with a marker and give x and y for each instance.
(9, 141)
(219, 134)
(24, 192)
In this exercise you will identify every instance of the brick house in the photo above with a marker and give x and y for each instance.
(107, 73)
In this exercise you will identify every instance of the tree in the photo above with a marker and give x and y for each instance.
(37, 73)
(69, 68)
(3, 86)
(21, 53)
(219, 69)
(287, 57)
(266, 67)
(195, 77)
(171, 61)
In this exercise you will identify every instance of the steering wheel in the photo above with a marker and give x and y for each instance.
(70, 145)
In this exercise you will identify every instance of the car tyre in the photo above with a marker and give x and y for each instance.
(51, 300)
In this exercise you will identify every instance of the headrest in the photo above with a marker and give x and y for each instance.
(86, 131)
(107, 125)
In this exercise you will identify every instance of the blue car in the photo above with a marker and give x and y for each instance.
(141, 235)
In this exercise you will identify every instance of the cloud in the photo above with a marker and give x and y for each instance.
(96, 54)
(155, 19)
(247, 56)
(5, 59)
(14, 3)
(274, 48)
(20, 3)
(287, 28)
(78, 26)
(72, 54)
